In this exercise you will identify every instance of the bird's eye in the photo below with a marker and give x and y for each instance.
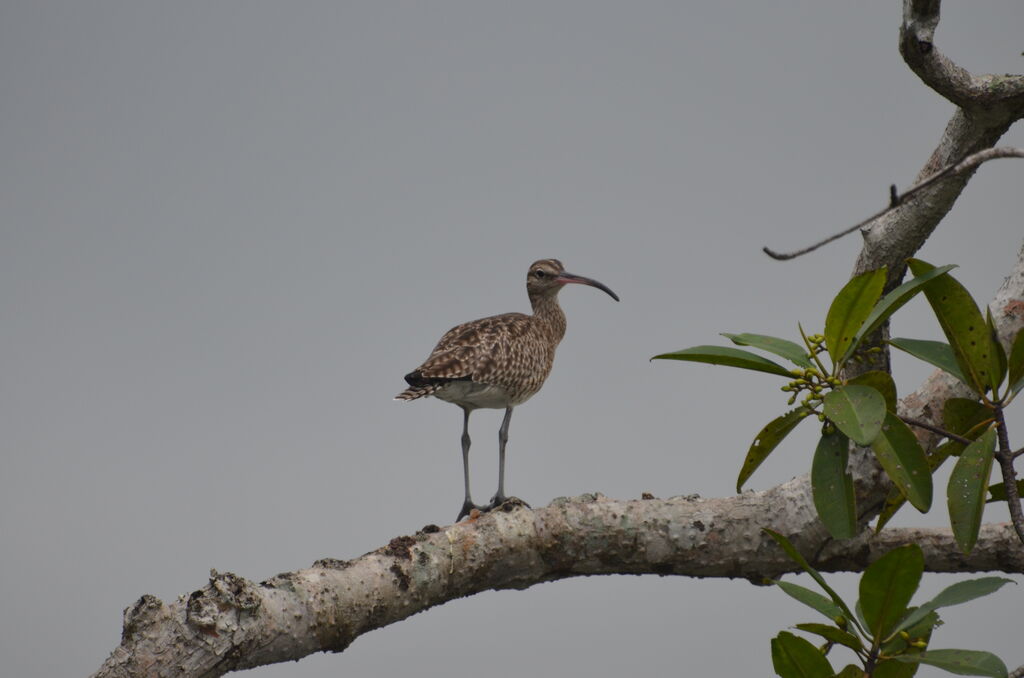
(539, 274)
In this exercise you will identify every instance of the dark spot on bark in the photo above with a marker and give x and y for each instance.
(647, 495)
(699, 525)
(333, 564)
(429, 529)
(662, 568)
(400, 547)
(422, 558)
(401, 576)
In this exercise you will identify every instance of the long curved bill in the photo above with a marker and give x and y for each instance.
(566, 278)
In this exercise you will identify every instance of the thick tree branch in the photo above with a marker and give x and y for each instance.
(917, 45)
(233, 623)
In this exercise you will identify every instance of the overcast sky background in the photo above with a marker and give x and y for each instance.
(228, 229)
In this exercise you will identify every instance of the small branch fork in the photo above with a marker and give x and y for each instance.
(897, 199)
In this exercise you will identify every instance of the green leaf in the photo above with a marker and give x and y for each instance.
(961, 415)
(858, 411)
(849, 310)
(935, 352)
(896, 499)
(997, 491)
(887, 586)
(899, 453)
(785, 348)
(767, 440)
(998, 347)
(832, 486)
(881, 382)
(892, 302)
(833, 634)
(797, 558)
(890, 669)
(968, 485)
(851, 671)
(795, 657)
(955, 594)
(964, 327)
(811, 599)
(1015, 362)
(960, 662)
(724, 355)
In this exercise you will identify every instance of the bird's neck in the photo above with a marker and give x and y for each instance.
(549, 315)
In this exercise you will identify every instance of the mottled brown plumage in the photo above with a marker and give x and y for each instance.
(499, 361)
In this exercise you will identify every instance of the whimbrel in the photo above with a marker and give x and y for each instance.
(498, 362)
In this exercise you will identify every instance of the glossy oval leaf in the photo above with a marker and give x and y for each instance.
(899, 453)
(858, 411)
(784, 348)
(937, 353)
(811, 599)
(881, 382)
(850, 309)
(960, 662)
(832, 486)
(851, 671)
(964, 327)
(956, 594)
(1015, 362)
(833, 634)
(725, 355)
(968, 485)
(892, 302)
(887, 586)
(796, 657)
(767, 440)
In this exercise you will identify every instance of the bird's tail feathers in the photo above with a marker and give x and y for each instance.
(415, 392)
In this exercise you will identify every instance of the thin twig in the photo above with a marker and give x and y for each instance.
(1018, 453)
(935, 429)
(1005, 458)
(898, 199)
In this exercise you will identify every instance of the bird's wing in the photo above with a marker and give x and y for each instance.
(474, 350)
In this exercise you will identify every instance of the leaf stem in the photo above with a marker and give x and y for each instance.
(811, 352)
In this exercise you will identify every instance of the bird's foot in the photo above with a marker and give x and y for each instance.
(507, 503)
(467, 508)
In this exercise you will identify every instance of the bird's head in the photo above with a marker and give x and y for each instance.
(547, 276)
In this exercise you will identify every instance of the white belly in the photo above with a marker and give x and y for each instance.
(473, 395)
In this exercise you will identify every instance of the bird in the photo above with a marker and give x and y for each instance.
(498, 362)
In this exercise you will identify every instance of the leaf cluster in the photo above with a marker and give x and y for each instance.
(863, 410)
(889, 637)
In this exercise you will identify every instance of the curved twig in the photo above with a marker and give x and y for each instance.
(897, 199)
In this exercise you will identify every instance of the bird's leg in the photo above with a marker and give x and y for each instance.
(499, 497)
(467, 503)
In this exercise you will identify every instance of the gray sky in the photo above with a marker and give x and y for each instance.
(228, 229)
